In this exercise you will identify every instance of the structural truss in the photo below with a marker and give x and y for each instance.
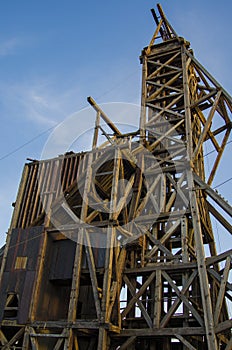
(114, 248)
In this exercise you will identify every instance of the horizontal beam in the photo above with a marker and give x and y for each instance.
(48, 335)
(163, 267)
(146, 332)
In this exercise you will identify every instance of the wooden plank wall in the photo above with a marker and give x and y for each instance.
(47, 177)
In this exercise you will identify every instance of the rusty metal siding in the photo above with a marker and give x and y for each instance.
(54, 292)
(63, 253)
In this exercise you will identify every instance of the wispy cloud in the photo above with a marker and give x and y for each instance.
(38, 101)
(9, 46)
(75, 132)
(38, 106)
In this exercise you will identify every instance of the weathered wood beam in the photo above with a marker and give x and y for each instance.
(223, 326)
(217, 279)
(96, 130)
(185, 342)
(183, 298)
(138, 294)
(120, 260)
(210, 133)
(206, 126)
(58, 344)
(174, 193)
(219, 217)
(39, 276)
(103, 115)
(217, 258)
(123, 199)
(26, 339)
(110, 238)
(204, 283)
(137, 188)
(16, 337)
(208, 75)
(158, 299)
(178, 300)
(218, 158)
(167, 88)
(136, 300)
(146, 332)
(47, 335)
(3, 338)
(177, 187)
(162, 248)
(164, 65)
(164, 238)
(102, 339)
(169, 29)
(229, 345)
(79, 247)
(147, 197)
(142, 119)
(110, 243)
(204, 98)
(164, 267)
(164, 86)
(128, 342)
(221, 293)
(167, 133)
(164, 110)
(158, 28)
(92, 271)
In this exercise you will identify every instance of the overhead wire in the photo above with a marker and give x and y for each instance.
(214, 150)
(222, 183)
(207, 154)
(40, 234)
(227, 180)
(26, 240)
(27, 143)
(54, 126)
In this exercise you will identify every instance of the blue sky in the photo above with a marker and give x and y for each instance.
(53, 54)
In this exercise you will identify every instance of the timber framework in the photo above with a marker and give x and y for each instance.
(114, 248)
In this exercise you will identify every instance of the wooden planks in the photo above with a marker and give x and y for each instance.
(148, 280)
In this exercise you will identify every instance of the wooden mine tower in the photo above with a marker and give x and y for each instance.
(114, 248)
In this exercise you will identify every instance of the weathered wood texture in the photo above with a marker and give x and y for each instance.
(125, 256)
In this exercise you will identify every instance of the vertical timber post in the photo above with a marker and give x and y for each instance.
(204, 283)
